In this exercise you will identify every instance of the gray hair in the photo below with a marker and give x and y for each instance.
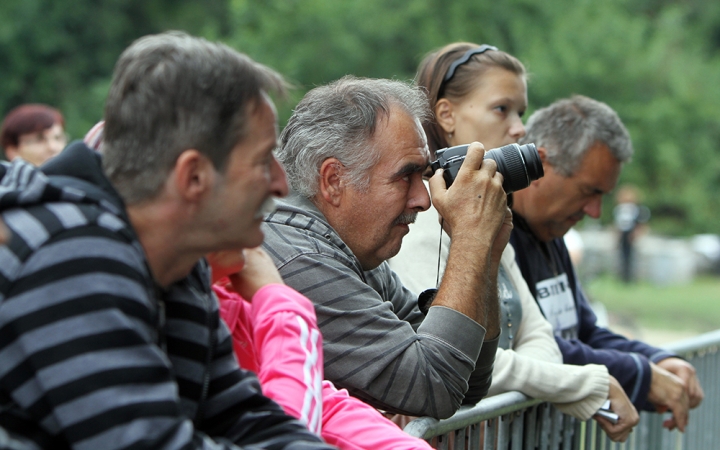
(338, 121)
(568, 128)
(172, 92)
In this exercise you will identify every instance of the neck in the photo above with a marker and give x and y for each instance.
(164, 243)
(520, 207)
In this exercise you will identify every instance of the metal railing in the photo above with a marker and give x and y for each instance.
(516, 422)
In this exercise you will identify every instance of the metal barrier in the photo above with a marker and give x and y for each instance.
(514, 421)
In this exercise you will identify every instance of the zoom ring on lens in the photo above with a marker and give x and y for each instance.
(516, 175)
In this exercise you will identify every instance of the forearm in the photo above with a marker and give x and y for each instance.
(410, 373)
(481, 378)
(632, 370)
(289, 348)
(582, 389)
(241, 413)
(351, 424)
(469, 284)
(378, 356)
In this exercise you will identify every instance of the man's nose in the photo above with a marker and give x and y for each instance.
(419, 198)
(278, 180)
(55, 146)
(517, 129)
(593, 208)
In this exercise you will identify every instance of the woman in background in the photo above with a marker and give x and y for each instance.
(33, 132)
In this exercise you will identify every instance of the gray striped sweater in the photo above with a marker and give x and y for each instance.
(376, 342)
(92, 353)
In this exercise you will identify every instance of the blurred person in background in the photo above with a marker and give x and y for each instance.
(33, 132)
(479, 93)
(583, 144)
(629, 218)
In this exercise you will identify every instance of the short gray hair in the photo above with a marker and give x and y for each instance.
(338, 121)
(172, 92)
(568, 128)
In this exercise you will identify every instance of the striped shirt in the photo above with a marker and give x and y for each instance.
(376, 342)
(92, 353)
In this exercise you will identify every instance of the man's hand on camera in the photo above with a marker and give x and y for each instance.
(475, 206)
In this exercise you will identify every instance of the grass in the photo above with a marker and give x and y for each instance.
(691, 307)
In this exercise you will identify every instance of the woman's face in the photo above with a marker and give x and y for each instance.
(36, 148)
(492, 112)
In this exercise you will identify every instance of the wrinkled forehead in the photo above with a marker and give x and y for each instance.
(400, 132)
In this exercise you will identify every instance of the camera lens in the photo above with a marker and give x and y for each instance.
(519, 165)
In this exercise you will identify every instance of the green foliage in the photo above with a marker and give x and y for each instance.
(62, 53)
(656, 62)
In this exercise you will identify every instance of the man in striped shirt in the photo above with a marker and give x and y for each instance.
(109, 333)
(355, 152)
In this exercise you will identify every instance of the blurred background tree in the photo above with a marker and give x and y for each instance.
(657, 62)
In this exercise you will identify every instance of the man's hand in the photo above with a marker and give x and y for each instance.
(621, 405)
(686, 372)
(669, 392)
(476, 216)
(248, 269)
(475, 205)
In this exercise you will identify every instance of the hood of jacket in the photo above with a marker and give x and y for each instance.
(74, 176)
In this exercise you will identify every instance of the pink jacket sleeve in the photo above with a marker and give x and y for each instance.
(288, 347)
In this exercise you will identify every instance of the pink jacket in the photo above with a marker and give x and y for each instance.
(276, 336)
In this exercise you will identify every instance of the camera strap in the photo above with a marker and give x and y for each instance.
(437, 279)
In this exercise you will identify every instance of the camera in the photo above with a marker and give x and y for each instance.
(518, 164)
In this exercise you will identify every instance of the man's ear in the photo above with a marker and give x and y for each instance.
(331, 183)
(445, 115)
(542, 152)
(193, 175)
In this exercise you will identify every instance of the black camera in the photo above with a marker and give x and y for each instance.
(518, 164)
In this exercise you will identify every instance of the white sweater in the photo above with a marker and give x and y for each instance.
(534, 364)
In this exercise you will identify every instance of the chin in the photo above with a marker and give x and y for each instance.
(393, 251)
(253, 238)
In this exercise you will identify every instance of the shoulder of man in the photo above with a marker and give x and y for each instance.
(38, 208)
(297, 229)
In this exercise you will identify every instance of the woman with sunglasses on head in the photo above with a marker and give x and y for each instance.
(478, 93)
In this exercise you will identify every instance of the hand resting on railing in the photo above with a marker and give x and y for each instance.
(620, 405)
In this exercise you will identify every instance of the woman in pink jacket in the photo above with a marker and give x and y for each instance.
(275, 334)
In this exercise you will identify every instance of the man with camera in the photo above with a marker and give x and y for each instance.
(582, 144)
(111, 336)
(354, 152)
